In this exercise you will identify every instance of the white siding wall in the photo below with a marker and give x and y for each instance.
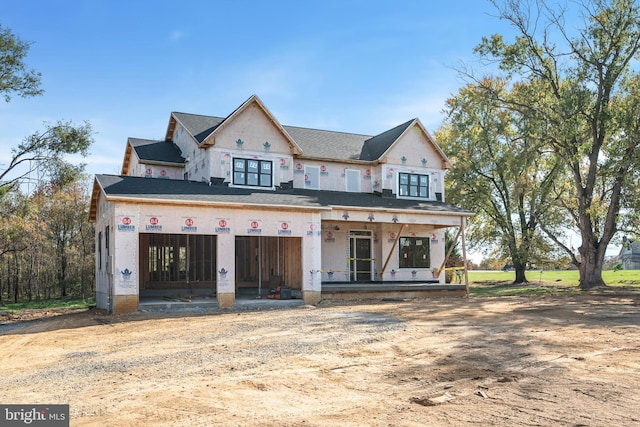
(335, 250)
(156, 171)
(413, 153)
(436, 178)
(198, 166)
(222, 167)
(333, 175)
(104, 266)
(436, 250)
(260, 139)
(254, 128)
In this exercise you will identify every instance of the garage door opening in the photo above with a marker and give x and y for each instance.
(177, 264)
(265, 263)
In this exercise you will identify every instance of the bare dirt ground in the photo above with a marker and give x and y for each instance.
(567, 361)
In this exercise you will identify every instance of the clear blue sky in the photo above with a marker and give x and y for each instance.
(353, 66)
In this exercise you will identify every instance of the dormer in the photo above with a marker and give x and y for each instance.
(152, 159)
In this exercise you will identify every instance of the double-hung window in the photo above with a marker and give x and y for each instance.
(414, 252)
(252, 172)
(413, 185)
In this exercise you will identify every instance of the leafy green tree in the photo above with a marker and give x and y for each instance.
(587, 106)
(66, 207)
(14, 75)
(43, 153)
(499, 171)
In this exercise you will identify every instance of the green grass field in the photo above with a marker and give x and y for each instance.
(52, 303)
(553, 282)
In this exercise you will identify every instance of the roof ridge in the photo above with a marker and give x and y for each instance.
(328, 130)
(200, 115)
(284, 125)
(407, 123)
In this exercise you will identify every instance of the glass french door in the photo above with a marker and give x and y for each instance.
(360, 262)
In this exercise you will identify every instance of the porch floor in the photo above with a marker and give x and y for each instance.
(402, 290)
(390, 286)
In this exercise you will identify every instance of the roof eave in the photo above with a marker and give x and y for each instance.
(95, 195)
(334, 160)
(240, 205)
(400, 210)
(162, 163)
(127, 158)
(171, 127)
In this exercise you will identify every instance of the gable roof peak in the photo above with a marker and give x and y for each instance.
(203, 128)
(374, 147)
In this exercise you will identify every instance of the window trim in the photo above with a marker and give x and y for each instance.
(259, 172)
(418, 175)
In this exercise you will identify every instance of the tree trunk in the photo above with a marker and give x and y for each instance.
(519, 257)
(16, 278)
(591, 261)
(30, 278)
(520, 272)
(62, 277)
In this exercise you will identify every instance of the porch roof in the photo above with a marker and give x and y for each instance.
(180, 191)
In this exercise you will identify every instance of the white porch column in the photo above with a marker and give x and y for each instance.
(312, 262)
(124, 253)
(226, 270)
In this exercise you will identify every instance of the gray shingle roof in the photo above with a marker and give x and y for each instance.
(316, 143)
(179, 190)
(158, 151)
(327, 144)
(375, 147)
(197, 125)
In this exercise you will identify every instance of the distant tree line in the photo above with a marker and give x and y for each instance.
(46, 243)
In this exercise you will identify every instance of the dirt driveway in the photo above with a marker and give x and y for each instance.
(569, 361)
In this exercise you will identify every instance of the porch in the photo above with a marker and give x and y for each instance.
(383, 290)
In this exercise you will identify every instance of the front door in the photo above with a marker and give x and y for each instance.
(360, 256)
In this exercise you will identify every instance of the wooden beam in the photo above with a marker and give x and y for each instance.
(446, 258)
(393, 247)
(464, 255)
